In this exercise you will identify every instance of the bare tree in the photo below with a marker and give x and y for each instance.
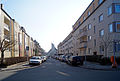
(6, 44)
(105, 41)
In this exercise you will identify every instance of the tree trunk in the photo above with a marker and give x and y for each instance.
(105, 52)
(2, 57)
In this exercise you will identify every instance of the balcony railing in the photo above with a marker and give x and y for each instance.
(6, 27)
(7, 38)
(82, 44)
(84, 33)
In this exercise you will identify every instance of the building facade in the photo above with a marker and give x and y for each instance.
(66, 46)
(11, 30)
(37, 48)
(97, 31)
(6, 30)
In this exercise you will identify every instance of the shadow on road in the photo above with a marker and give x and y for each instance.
(17, 68)
(53, 70)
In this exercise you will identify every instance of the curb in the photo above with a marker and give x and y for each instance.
(17, 64)
(109, 69)
(14, 68)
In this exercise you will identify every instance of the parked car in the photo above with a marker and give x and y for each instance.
(35, 60)
(56, 57)
(44, 58)
(67, 58)
(63, 58)
(75, 60)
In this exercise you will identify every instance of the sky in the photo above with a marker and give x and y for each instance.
(47, 21)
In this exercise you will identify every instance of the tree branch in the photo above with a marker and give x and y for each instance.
(2, 42)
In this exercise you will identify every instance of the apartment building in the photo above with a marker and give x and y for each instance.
(60, 48)
(6, 30)
(66, 47)
(97, 31)
(37, 48)
(32, 47)
(16, 34)
(11, 30)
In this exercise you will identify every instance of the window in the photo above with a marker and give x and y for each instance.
(94, 29)
(110, 10)
(101, 18)
(83, 18)
(89, 38)
(110, 28)
(88, 13)
(118, 46)
(80, 30)
(94, 42)
(89, 26)
(85, 29)
(89, 50)
(101, 33)
(100, 1)
(117, 8)
(101, 49)
(118, 27)
(80, 51)
(79, 23)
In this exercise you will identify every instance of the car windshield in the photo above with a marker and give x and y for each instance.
(35, 58)
(76, 57)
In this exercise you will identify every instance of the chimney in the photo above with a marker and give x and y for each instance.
(1, 6)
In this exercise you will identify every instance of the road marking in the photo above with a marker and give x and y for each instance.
(62, 73)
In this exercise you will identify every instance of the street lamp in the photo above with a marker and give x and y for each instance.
(115, 42)
(114, 49)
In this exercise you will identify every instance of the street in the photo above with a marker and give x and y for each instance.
(54, 70)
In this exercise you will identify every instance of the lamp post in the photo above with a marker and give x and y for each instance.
(114, 49)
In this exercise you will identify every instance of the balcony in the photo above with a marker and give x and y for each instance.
(84, 33)
(83, 39)
(6, 37)
(82, 44)
(6, 32)
(6, 27)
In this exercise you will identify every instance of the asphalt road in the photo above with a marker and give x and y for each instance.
(53, 70)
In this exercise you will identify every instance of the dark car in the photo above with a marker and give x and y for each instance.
(75, 60)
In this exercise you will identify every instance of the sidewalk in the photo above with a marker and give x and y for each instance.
(18, 66)
(97, 66)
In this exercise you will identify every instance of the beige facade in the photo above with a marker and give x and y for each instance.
(96, 29)
(31, 47)
(16, 33)
(66, 47)
(5, 29)
(10, 28)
